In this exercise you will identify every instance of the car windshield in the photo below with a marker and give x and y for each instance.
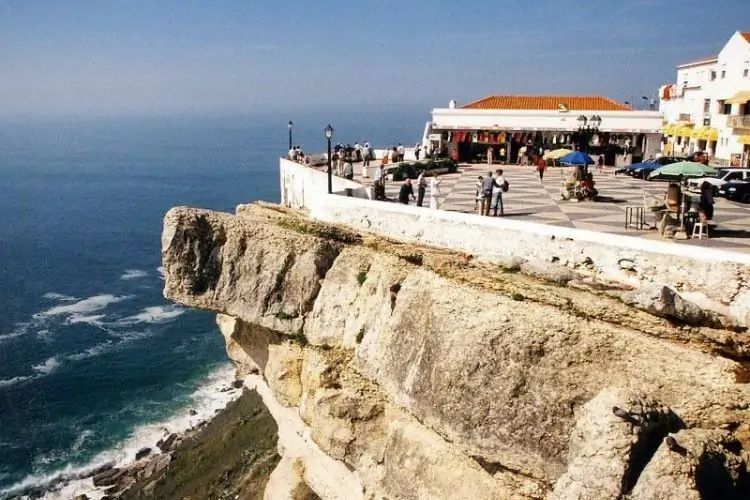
(720, 173)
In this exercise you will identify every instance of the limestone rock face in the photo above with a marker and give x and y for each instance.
(431, 376)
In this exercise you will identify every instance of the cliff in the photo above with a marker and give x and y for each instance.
(400, 371)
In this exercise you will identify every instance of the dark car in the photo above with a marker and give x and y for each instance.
(698, 157)
(642, 170)
(736, 191)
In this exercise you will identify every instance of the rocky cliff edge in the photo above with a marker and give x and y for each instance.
(397, 371)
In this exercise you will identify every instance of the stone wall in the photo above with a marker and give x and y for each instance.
(714, 279)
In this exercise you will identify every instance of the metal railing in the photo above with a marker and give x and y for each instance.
(739, 121)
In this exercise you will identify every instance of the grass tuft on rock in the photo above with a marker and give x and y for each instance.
(519, 297)
(361, 278)
(360, 335)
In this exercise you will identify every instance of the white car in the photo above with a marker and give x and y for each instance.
(723, 175)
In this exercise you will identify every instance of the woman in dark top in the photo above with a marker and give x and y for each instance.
(406, 191)
(706, 204)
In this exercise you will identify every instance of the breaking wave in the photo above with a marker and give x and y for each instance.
(73, 480)
(131, 274)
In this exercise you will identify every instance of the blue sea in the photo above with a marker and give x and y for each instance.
(94, 362)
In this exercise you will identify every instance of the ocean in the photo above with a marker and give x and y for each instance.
(94, 362)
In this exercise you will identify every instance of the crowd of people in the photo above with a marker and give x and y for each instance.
(489, 193)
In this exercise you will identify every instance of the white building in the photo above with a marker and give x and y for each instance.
(707, 108)
(509, 123)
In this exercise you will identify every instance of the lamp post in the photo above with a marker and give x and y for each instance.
(328, 131)
(290, 134)
(587, 127)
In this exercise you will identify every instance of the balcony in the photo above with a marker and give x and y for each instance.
(738, 121)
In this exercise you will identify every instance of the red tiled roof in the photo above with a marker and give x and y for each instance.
(545, 102)
(746, 35)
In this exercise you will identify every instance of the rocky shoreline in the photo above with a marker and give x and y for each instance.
(150, 465)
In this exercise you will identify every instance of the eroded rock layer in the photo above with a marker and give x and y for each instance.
(427, 375)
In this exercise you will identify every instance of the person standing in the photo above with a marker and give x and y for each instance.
(706, 203)
(400, 152)
(377, 181)
(434, 192)
(421, 188)
(522, 156)
(478, 194)
(499, 187)
(541, 166)
(487, 184)
(503, 157)
(406, 191)
(348, 169)
(489, 156)
(417, 150)
(366, 154)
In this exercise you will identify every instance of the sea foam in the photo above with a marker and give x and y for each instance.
(154, 314)
(206, 400)
(85, 306)
(131, 274)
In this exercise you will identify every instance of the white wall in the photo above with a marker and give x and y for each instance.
(713, 276)
(300, 185)
(612, 121)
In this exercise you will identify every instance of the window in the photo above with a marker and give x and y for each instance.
(713, 75)
(734, 176)
(722, 107)
(723, 73)
(727, 109)
(706, 105)
(744, 73)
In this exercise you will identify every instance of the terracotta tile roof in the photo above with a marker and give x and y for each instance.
(746, 35)
(541, 102)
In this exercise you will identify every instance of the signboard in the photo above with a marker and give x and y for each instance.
(434, 137)
(736, 160)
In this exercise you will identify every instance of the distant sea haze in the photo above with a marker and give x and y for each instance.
(94, 362)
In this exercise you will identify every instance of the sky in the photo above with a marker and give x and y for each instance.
(137, 57)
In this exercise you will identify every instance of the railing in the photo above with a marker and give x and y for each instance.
(739, 121)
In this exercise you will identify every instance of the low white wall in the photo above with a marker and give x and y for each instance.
(301, 184)
(719, 276)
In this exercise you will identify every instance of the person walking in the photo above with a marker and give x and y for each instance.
(478, 194)
(434, 192)
(541, 166)
(706, 203)
(366, 154)
(522, 156)
(421, 188)
(400, 152)
(406, 190)
(489, 156)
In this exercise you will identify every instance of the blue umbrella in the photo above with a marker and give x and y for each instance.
(577, 158)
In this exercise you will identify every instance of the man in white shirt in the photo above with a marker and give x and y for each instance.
(357, 152)
(366, 154)
(400, 151)
(293, 154)
(497, 192)
(522, 155)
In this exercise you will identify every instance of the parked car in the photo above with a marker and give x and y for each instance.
(723, 175)
(642, 170)
(736, 191)
(698, 157)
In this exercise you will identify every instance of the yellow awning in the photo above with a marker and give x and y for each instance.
(740, 97)
(697, 133)
(684, 131)
(744, 139)
(710, 134)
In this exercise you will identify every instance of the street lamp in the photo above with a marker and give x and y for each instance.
(329, 133)
(290, 134)
(587, 127)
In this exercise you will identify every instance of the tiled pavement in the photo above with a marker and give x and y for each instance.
(529, 199)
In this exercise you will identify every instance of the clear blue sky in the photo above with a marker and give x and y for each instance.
(174, 56)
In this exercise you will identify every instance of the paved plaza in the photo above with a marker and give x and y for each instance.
(530, 200)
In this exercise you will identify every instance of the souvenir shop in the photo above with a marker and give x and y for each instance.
(529, 125)
(472, 145)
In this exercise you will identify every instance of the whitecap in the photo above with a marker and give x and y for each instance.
(20, 331)
(206, 400)
(8, 382)
(94, 320)
(92, 352)
(154, 314)
(160, 270)
(49, 365)
(59, 296)
(131, 274)
(85, 306)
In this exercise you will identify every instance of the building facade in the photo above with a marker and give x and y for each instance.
(707, 108)
(511, 125)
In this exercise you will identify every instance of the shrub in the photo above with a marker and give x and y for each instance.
(361, 277)
(518, 297)
(360, 335)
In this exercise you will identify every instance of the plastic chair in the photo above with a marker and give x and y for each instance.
(700, 229)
